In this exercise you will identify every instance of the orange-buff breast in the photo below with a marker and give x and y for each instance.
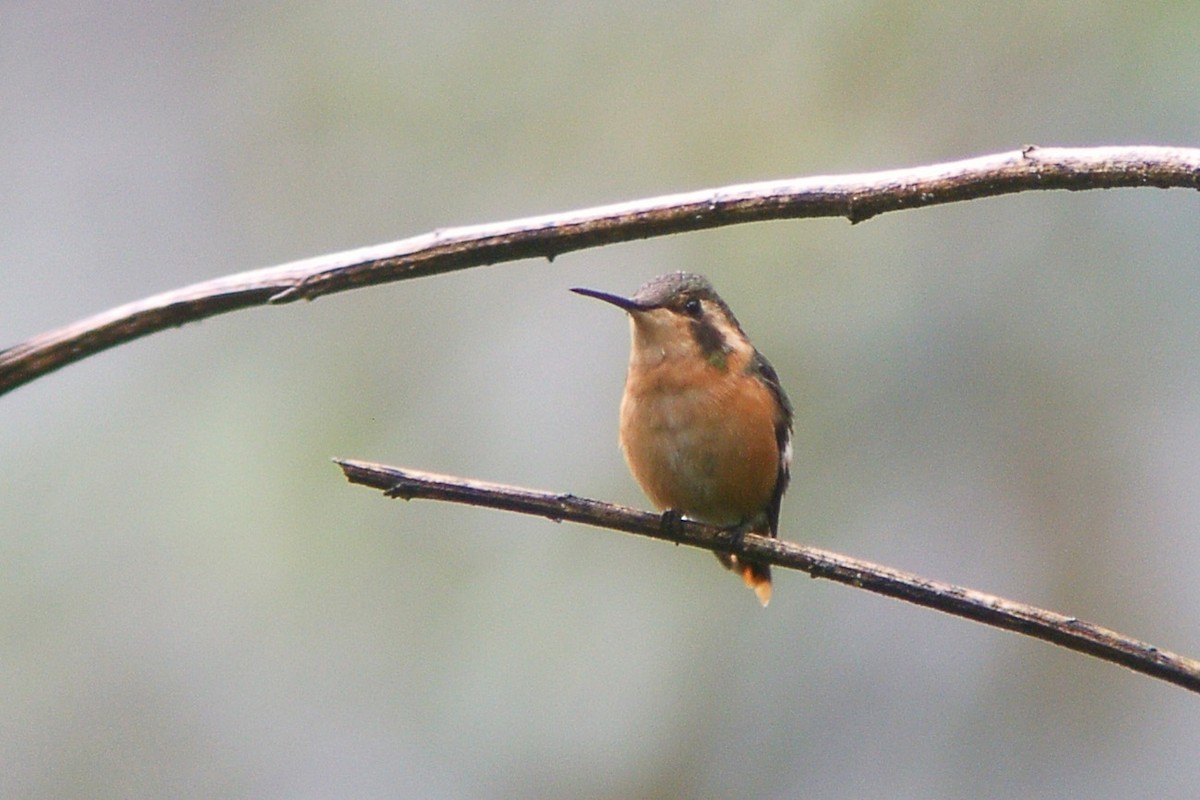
(701, 440)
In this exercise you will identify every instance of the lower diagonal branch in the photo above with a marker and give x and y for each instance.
(998, 612)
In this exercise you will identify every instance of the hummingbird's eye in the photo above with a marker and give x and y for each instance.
(692, 308)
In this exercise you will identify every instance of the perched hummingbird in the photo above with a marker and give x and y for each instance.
(705, 424)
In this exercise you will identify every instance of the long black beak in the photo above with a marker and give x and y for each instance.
(618, 301)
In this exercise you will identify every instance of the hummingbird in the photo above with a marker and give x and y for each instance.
(705, 425)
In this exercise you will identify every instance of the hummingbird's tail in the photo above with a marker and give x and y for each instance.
(754, 575)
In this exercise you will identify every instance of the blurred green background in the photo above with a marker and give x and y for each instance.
(1003, 394)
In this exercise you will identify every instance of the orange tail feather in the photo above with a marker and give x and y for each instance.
(755, 576)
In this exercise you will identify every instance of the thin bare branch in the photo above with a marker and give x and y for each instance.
(855, 197)
(1069, 632)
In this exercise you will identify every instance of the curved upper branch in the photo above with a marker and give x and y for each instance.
(856, 197)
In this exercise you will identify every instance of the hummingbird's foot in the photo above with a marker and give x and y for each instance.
(671, 524)
(737, 534)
